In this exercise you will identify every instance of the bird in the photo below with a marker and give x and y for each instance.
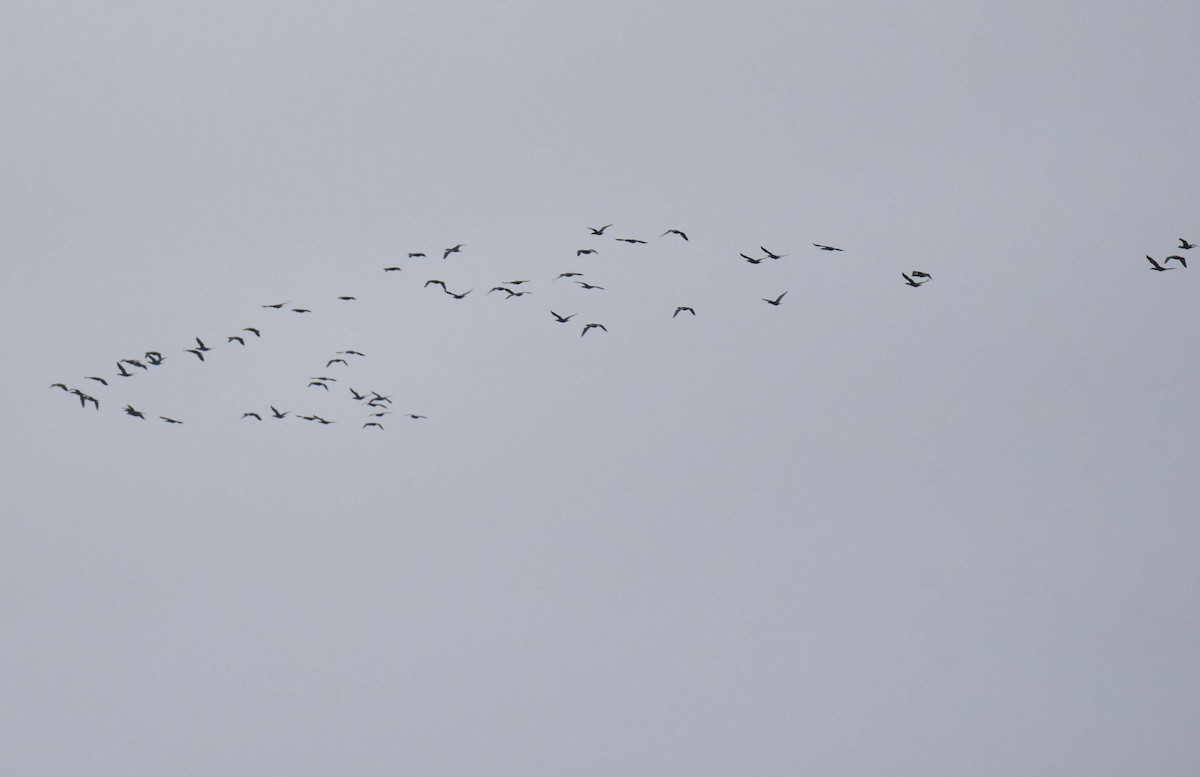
(252, 331)
(301, 310)
(516, 283)
(459, 296)
(682, 308)
(199, 354)
(775, 301)
(562, 319)
(201, 345)
(630, 240)
(277, 305)
(154, 357)
(278, 413)
(512, 293)
(1180, 259)
(453, 250)
(499, 288)
(1156, 266)
(135, 363)
(372, 423)
(170, 420)
(414, 416)
(381, 413)
(347, 299)
(391, 269)
(568, 275)
(592, 326)
(62, 386)
(353, 353)
(129, 410)
(589, 286)
(1185, 245)
(318, 383)
(585, 251)
(380, 397)
(674, 232)
(336, 361)
(920, 274)
(415, 255)
(93, 377)
(770, 255)
(357, 396)
(826, 248)
(235, 338)
(599, 231)
(322, 377)
(126, 374)
(436, 282)
(911, 282)
(752, 260)
(252, 415)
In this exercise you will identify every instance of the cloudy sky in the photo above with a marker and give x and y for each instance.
(874, 530)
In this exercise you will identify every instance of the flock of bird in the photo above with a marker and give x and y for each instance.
(378, 405)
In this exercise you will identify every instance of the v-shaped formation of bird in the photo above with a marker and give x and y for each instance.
(378, 405)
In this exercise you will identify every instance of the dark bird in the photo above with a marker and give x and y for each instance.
(415, 255)
(126, 374)
(357, 396)
(1177, 257)
(135, 363)
(499, 288)
(1158, 267)
(589, 286)
(235, 339)
(153, 357)
(353, 353)
(380, 397)
(911, 282)
(568, 275)
(200, 344)
(347, 299)
(674, 232)
(775, 301)
(322, 421)
(170, 420)
(562, 319)
(436, 282)
(770, 255)
(516, 283)
(1185, 245)
(585, 251)
(592, 326)
(253, 331)
(512, 293)
(278, 305)
(336, 361)
(278, 413)
(62, 386)
(255, 416)
(98, 380)
(920, 274)
(459, 296)
(373, 423)
(453, 250)
(599, 231)
(414, 416)
(752, 260)
(318, 383)
(322, 377)
(630, 240)
(391, 269)
(301, 310)
(129, 410)
(826, 248)
(199, 354)
(682, 308)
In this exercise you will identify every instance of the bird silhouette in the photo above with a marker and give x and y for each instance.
(392, 269)
(920, 274)
(301, 310)
(252, 331)
(752, 260)
(456, 249)
(98, 380)
(125, 373)
(911, 282)
(592, 326)
(136, 363)
(589, 286)
(416, 255)
(62, 386)
(170, 420)
(599, 231)
(585, 251)
(199, 353)
(1185, 245)
(357, 396)
(630, 240)
(1156, 266)
(770, 255)
(347, 299)
(562, 319)
(826, 248)
(353, 353)
(682, 308)
(336, 361)
(459, 296)
(568, 275)
(278, 413)
(318, 383)
(201, 346)
(235, 339)
(129, 410)
(674, 232)
(775, 301)
(1176, 257)
(373, 423)
(255, 416)
(436, 282)
(277, 305)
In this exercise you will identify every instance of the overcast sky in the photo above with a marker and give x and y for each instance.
(873, 530)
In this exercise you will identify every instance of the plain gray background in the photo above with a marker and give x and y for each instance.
(876, 530)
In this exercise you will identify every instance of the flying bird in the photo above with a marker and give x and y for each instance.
(252, 331)
(1156, 266)
(252, 415)
(277, 305)
(752, 260)
(911, 282)
(278, 413)
(826, 248)
(415, 255)
(589, 286)
(353, 353)
(770, 255)
(453, 250)
(391, 269)
(584, 251)
(62, 386)
(235, 339)
(135, 363)
(630, 240)
(682, 308)
(592, 326)
(599, 231)
(458, 296)
(93, 377)
(414, 416)
(1177, 257)
(199, 354)
(373, 423)
(1185, 245)
(436, 282)
(301, 310)
(126, 374)
(920, 274)
(775, 301)
(674, 232)
(347, 299)
(357, 396)
(517, 283)
(170, 420)
(129, 410)
(568, 275)
(201, 345)
(318, 383)
(562, 319)
(336, 361)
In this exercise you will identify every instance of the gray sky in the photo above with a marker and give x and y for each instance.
(874, 530)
